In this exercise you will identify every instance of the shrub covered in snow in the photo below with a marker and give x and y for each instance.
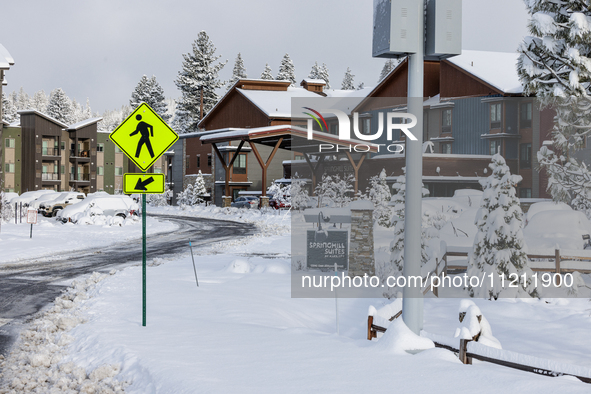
(380, 196)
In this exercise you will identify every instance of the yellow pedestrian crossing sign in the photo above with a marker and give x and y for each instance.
(144, 136)
(143, 183)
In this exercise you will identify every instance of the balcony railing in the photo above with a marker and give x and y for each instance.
(50, 151)
(80, 177)
(49, 176)
(82, 153)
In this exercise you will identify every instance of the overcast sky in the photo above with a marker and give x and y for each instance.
(100, 49)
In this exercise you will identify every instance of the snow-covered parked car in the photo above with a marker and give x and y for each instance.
(50, 208)
(545, 206)
(246, 202)
(563, 228)
(43, 199)
(27, 197)
(103, 205)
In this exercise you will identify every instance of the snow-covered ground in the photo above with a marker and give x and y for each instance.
(240, 331)
(51, 237)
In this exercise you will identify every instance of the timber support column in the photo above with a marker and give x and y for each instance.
(227, 201)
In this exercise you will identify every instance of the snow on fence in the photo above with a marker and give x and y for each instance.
(468, 349)
(572, 260)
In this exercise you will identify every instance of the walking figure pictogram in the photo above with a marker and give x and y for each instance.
(146, 132)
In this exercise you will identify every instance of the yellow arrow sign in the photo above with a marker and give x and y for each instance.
(144, 136)
(143, 183)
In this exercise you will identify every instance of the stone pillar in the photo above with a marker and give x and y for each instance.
(264, 202)
(227, 201)
(361, 254)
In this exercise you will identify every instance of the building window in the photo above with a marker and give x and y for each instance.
(9, 167)
(119, 171)
(100, 147)
(365, 126)
(524, 193)
(495, 115)
(446, 148)
(525, 156)
(240, 165)
(117, 150)
(187, 162)
(446, 121)
(63, 145)
(198, 161)
(10, 143)
(157, 170)
(495, 147)
(333, 128)
(63, 169)
(525, 115)
(209, 160)
(100, 170)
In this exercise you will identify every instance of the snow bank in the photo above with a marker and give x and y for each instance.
(36, 362)
(399, 339)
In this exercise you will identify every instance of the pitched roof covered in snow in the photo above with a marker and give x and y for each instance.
(5, 59)
(41, 114)
(83, 123)
(498, 69)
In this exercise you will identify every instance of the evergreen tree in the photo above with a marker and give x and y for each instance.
(287, 70)
(379, 194)
(266, 74)
(77, 112)
(323, 74)
(343, 189)
(397, 245)
(388, 67)
(87, 113)
(315, 71)
(348, 80)
(199, 190)
(239, 71)
(361, 86)
(499, 247)
(40, 101)
(555, 65)
(149, 91)
(8, 109)
(199, 75)
(23, 101)
(60, 106)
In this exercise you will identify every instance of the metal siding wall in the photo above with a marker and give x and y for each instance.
(469, 121)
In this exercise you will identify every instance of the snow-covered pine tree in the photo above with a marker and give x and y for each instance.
(379, 194)
(185, 197)
(149, 91)
(60, 106)
(199, 74)
(397, 244)
(324, 75)
(8, 109)
(23, 101)
(287, 70)
(6, 209)
(388, 67)
(77, 112)
(199, 189)
(555, 65)
(87, 113)
(348, 80)
(40, 101)
(267, 74)
(499, 248)
(315, 71)
(239, 71)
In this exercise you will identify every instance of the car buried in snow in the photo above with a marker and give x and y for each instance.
(93, 206)
(245, 202)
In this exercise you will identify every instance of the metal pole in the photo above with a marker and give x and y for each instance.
(143, 260)
(193, 258)
(412, 303)
(336, 299)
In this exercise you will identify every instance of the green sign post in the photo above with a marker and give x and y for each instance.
(144, 137)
